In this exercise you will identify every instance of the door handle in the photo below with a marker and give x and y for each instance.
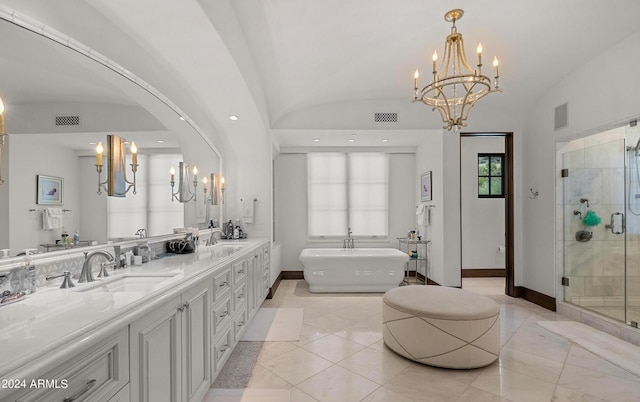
(612, 225)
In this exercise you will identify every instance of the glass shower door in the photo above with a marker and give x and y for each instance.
(595, 248)
(633, 225)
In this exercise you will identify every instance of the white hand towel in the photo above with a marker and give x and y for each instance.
(52, 218)
(247, 210)
(422, 214)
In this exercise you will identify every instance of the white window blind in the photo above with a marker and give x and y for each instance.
(348, 190)
(327, 194)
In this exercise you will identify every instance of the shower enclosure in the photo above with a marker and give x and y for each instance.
(600, 183)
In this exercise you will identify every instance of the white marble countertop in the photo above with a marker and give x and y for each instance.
(54, 323)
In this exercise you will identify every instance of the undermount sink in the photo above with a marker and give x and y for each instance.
(126, 283)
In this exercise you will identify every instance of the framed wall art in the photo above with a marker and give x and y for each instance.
(49, 190)
(425, 186)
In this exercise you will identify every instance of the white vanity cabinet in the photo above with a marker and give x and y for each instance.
(96, 374)
(170, 348)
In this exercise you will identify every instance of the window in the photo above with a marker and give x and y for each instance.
(347, 191)
(490, 176)
(151, 207)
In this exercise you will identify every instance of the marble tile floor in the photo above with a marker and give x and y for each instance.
(341, 357)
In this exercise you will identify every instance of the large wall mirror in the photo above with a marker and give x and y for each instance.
(58, 104)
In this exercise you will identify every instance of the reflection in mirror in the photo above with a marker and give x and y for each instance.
(56, 113)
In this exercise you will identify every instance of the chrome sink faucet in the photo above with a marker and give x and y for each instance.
(212, 239)
(347, 242)
(86, 275)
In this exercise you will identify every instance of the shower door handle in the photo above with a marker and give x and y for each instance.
(613, 225)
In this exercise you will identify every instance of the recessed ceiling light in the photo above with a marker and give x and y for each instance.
(353, 135)
(385, 140)
(316, 140)
(181, 118)
(160, 141)
(351, 140)
(233, 117)
(92, 143)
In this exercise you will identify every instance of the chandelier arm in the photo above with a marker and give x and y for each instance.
(462, 56)
(443, 107)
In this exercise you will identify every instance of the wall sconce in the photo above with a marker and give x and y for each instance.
(3, 136)
(211, 195)
(117, 184)
(184, 193)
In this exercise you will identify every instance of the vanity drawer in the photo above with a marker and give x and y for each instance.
(220, 315)
(240, 323)
(221, 283)
(122, 396)
(222, 348)
(265, 255)
(95, 375)
(239, 295)
(239, 271)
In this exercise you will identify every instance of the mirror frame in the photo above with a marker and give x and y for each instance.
(36, 27)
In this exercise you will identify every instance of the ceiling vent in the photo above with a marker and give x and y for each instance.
(561, 118)
(386, 117)
(67, 120)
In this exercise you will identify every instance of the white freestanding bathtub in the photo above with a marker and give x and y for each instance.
(353, 270)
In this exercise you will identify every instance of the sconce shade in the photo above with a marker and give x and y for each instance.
(116, 184)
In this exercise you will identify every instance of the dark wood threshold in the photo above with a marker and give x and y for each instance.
(292, 274)
(538, 298)
(484, 273)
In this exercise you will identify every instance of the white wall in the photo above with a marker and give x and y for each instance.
(429, 157)
(39, 157)
(483, 219)
(291, 205)
(598, 95)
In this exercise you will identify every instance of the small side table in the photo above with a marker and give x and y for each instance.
(420, 264)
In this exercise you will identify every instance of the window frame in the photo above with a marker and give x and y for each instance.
(489, 176)
(347, 182)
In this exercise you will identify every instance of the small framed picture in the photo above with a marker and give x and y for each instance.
(425, 186)
(49, 190)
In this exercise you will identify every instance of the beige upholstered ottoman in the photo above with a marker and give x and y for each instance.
(441, 326)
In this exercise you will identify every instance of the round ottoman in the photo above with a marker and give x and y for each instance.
(441, 326)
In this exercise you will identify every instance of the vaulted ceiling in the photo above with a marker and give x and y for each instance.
(321, 69)
(324, 67)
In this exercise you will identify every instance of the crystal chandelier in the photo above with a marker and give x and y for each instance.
(457, 86)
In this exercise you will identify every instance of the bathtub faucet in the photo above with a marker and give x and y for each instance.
(347, 242)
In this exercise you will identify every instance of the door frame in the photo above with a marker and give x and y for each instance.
(509, 221)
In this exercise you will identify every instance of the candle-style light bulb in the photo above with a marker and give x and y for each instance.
(99, 151)
(434, 58)
(195, 170)
(416, 75)
(204, 183)
(479, 50)
(134, 153)
(495, 65)
(172, 171)
(222, 181)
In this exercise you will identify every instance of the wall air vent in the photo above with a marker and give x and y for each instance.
(386, 117)
(561, 116)
(67, 120)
